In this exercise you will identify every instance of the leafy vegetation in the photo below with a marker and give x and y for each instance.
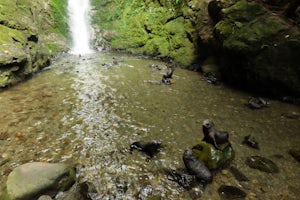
(60, 10)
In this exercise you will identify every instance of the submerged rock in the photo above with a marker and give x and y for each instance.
(212, 157)
(262, 164)
(181, 176)
(231, 192)
(238, 174)
(31, 180)
(79, 191)
(295, 153)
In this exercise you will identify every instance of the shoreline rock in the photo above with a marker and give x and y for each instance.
(31, 180)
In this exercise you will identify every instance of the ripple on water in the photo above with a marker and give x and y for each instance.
(88, 110)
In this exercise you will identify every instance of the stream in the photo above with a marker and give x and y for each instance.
(87, 110)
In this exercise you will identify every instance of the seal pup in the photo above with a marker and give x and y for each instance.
(213, 136)
(166, 77)
(149, 148)
(169, 74)
(250, 141)
(196, 167)
(257, 103)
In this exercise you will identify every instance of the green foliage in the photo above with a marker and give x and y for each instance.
(60, 10)
(149, 27)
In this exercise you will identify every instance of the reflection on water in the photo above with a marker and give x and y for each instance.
(88, 110)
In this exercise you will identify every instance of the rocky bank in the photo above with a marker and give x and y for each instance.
(31, 32)
(252, 44)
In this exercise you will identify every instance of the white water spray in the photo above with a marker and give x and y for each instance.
(79, 25)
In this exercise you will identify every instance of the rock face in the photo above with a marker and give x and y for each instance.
(31, 180)
(28, 37)
(259, 48)
(255, 43)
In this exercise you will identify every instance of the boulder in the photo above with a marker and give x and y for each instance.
(212, 157)
(31, 180)
(259, 49)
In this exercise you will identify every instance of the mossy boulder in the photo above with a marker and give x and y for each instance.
(29, 37)
(212, 157)
(156, 28)
(259, 49)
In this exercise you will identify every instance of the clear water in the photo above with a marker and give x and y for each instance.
(87, 110)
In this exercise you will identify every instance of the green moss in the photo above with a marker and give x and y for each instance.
(59, 11)
(212, 157)
(148, 27)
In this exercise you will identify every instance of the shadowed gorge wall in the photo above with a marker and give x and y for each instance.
(254, 44)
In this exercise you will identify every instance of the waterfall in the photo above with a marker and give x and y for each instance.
(79, 26)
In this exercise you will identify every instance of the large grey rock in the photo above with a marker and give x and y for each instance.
(31, 180)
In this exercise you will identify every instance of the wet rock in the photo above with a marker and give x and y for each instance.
(211, 78)
(121, 185)
(29, 41)
(31, 180)
(45, 197)
(251, 142)
(292, 115)
(259, 49)
(81, 191)
(3, 161)
(182, 177)
(149, 148)
(212, 157)
(295, 153)
(154, 197)
(238, 174)
(231, 192)
(145, 192)
(196, 167)
(257, 103)
(262, 164)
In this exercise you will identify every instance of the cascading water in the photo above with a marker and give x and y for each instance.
(79, 25)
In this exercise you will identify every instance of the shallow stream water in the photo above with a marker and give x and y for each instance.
(87, 110)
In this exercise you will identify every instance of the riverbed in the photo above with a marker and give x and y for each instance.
(87, 110)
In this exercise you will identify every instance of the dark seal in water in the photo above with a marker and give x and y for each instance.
(149, 148)
(251, 142)
(196, 166)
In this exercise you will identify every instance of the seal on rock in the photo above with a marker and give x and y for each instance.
(213, 136)
(196, 166)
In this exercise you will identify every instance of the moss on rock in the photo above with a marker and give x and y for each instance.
(149, 27)
(30, 33)
(259, 49)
